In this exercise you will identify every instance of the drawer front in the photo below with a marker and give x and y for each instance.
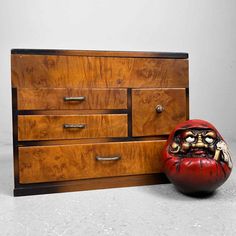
(40, 71)
(71, 98)
(157, 111)
(49, 127)
(83, 161)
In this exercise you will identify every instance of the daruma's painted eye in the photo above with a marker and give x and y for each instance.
(190, 139)
(209, 139)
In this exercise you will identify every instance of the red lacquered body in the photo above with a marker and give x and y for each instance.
(191, 174)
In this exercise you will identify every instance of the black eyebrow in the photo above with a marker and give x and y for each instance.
(194, 132)
(207, 131)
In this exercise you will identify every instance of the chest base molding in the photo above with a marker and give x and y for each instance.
(91, 184)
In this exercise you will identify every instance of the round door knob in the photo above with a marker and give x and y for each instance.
(159, 108)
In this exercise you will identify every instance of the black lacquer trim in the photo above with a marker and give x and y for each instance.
(77, 112)
(87, 184)
(103, 53)
(187, 104)
(15, 136)
(129, 101)
(93, 140)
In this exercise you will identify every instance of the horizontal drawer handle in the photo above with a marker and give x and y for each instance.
(79, 126)
(115, 158)
(80, 98)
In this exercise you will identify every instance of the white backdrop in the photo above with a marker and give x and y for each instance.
(206, 29)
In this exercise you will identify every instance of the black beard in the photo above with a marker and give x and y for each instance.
(196, 152)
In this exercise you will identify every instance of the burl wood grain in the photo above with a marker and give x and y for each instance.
(146, 121)
(70, 162)
(37, 71)
(49, 99)
(49, 127)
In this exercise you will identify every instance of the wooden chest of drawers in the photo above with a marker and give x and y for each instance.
(93, 119)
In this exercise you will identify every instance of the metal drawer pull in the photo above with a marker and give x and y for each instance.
(80, 98)
(159, 109)
(79, 126)
(115, 158)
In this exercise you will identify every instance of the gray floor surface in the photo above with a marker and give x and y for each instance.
(147, 210)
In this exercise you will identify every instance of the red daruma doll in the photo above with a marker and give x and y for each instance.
(196, 158)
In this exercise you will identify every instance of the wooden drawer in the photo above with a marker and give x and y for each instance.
(49, 127)
(71, 98)
(146, 121)
(59, 71)
(71, 162)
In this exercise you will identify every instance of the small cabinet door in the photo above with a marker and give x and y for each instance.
(157, 111)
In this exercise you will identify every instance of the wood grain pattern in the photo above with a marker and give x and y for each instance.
(98, 53)
(48, 127)
(68, 162)
(38, 71)
(51, 99)
(146, 121)
(122, 90)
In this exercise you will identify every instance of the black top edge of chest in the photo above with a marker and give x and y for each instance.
(93, 53)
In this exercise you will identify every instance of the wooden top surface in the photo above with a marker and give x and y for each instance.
(95, 53)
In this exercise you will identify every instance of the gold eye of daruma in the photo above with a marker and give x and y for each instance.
(209, 139)
(190, 139)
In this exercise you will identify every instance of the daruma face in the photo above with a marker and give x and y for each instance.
(196, 158)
